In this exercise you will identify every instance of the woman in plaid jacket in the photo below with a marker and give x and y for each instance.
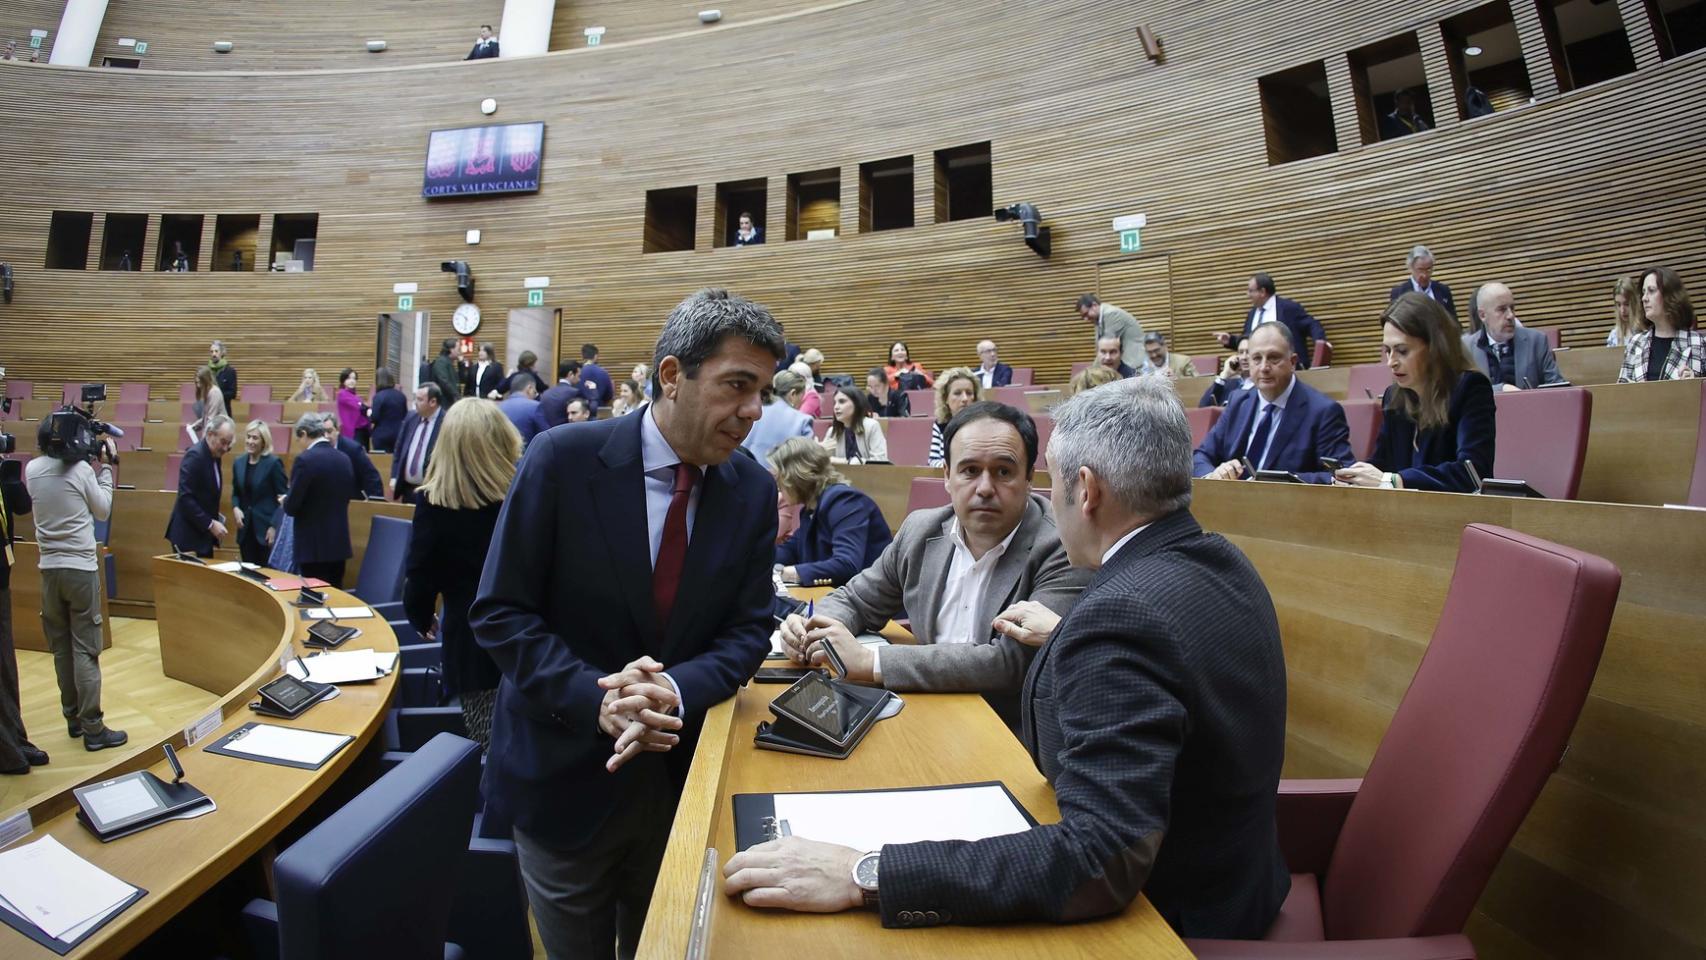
(1670, 348)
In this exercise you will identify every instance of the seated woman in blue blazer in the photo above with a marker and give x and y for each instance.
(841, 529)
(1438, 411)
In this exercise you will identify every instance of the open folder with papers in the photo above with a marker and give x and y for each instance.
(285, 746)
(55, 897)
(347, 666)
(867, 819)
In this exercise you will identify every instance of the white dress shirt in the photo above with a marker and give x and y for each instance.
(1109, 555)
(987, 375)
(1260, 457)
(480, 374)
(658, 460)
(1266, 313)
(963, 594)
(1429, 289)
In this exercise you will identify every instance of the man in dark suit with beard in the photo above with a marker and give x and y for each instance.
(1156, 709)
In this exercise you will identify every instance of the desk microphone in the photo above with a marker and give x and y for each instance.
(1527, 384)
(177, 768)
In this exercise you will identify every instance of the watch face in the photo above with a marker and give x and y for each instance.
(865, 871)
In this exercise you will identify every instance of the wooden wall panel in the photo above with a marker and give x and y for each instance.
(1555, 198)
(299, 35)
(19, 17)
(626, 21)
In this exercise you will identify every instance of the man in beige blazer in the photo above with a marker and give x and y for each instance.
(1174, 365)
(954, 569)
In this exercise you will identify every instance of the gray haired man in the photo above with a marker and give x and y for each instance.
(1420, 264)
(1156, 710)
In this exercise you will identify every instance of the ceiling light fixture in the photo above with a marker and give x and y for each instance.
(1473, 51)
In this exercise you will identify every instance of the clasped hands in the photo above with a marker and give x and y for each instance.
(638, 711)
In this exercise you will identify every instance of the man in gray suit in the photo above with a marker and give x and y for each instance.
(955, 569)
(1111, 321)
(1156, 711)
(1514, 357)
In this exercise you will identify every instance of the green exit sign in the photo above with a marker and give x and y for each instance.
(405, 302)
(141, 47)
(536, 297)
(1129, 242)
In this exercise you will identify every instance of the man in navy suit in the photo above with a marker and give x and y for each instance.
(485, 48)
(196, 525)
(1108, 355)
(627, 591)
(1283, 424)
(554, 403)
(321, 481)
(1266, 306)
(595, 381)
(991, 371)
(416, 440)
(1155, 708)
(368, 486)
(1420, 263)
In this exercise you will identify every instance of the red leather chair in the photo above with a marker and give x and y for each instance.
(132, 438)
(173, 462)
(186, 393)
(133, 393)
(1363, 417)
(923, 402)
(909, 441)
(1202, 421)
(1022, 377)
(1554, 336)
(927, 493)
(1323, 355)
(1207, 365)
(1389, 866)
(186, 412)
(266, 411)
(1697, 488)
(1543, 438)
(1368, 381)
(128, 411)
(820, 426)
(20, 389)
(72, 393)
(280, 438)
(255, 393)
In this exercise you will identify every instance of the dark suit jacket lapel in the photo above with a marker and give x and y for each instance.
(722, 505)
(619, 496)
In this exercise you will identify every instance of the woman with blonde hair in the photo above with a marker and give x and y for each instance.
(956, 390)
(257, 483)
(309, 390)
(841, 531)
(1091, 377)
(1626, 295)
(456, 511)
(1438, 412)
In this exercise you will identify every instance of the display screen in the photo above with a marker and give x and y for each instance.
(288, 692)
(507, 158)
(815, 702)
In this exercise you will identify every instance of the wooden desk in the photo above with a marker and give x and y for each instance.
(1611, 861)
(903, 751)
(27, 631)
(177, 862)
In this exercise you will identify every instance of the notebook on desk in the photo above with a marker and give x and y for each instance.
(867, 819)
(56, 898)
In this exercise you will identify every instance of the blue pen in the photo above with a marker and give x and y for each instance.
(811, 608)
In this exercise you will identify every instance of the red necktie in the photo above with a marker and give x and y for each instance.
(672, 551)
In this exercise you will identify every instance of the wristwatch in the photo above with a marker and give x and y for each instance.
(865, 877)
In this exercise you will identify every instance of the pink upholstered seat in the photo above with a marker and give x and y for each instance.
(1402, 855)
(1363, 418)
(1202, 420)
(926, 493)
(133, 393)
(255, 392)
(1206, 365)
(1022, 376)
(1543, 438)
(1322, 355)
(923, 402)
(909, 441)
(1368, 381)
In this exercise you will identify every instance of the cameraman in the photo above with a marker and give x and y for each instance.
(17, 753)
(69, 497)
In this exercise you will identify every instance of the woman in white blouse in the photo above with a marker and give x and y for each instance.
(854, 436)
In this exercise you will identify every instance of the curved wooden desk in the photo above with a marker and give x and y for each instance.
(903, 751)
(226, 634)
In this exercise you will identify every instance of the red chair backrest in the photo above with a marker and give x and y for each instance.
(1202, 421)
(1482, 726)
(1363, 417)
(1554, 336)
(1323, 355)
(1368, 381)
(927, 493)
(255, 392)
(820, 426)
(1543, 438)
(280, 437)
(20, 389)
(132, 438)
(909, 441)
(1207, 365)
(128, 411)
(72, 393)
(186, 412)
(269, 412)
(1022, 377)
(133, 393)
(923, 402)
(173, 462)
(1697, 488)
(186, 393)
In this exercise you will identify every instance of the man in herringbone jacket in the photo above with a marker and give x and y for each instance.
(1156, 708)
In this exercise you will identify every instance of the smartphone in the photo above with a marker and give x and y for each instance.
(1332, 463)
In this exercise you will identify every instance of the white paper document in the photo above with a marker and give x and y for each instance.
(56, 889)
(345, 666)
(777, 650)
(338, 613)
(287, 743)
(866, 821)
(234, 566)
